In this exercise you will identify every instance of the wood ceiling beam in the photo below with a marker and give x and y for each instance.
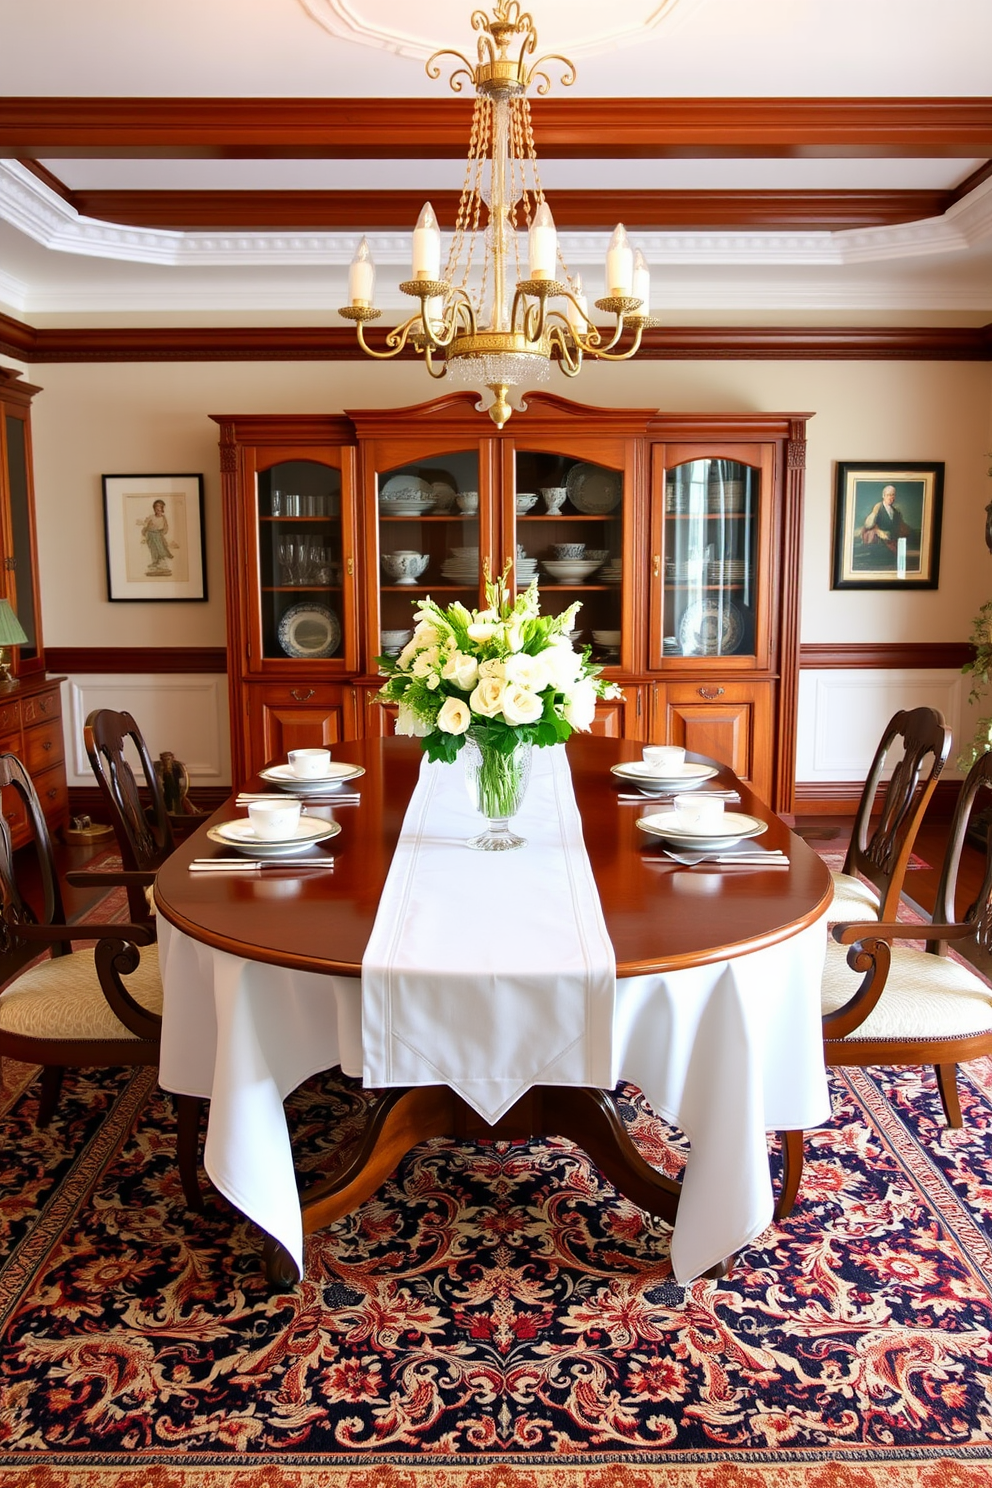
(419, 128)
(577, 211)
(337, 343)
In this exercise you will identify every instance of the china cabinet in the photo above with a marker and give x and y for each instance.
(678, 536)
(31, 707)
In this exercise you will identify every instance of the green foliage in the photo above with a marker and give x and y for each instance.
(980, 671)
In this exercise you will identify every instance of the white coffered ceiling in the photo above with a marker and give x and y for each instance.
(60, 262)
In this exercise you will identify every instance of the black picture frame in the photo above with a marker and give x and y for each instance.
(883, 540)
(154, 536)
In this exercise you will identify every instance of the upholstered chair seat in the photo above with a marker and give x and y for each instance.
(925, 997)
(64, 999)
(853, 899)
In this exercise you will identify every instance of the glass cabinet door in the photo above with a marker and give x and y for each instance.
(300, 558)
(20, 576)
(428, 529)
(710, 549)
(569, 536)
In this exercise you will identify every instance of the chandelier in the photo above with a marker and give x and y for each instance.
(470, 325)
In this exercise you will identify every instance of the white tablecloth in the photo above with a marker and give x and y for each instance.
(489, 972)
(726, 1052)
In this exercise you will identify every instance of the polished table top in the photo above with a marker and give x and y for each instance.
(658, 918)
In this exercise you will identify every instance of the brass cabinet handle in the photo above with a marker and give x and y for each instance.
(47, 744)
(302, 697)
(710, 692)
(53, 792)
(656, 567)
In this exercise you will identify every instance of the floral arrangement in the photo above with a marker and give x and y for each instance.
(501, 676)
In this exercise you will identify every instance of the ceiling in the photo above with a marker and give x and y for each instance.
(214, 161)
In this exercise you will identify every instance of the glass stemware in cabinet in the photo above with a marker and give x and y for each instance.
(711, 548)
(569, 536)
(301, 562)
(428, 529)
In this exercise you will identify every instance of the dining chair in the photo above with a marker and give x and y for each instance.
(144, 833)
(77, 1007)
(869, 884)
(885, 1004)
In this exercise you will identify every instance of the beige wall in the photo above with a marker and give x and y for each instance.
(147, 419)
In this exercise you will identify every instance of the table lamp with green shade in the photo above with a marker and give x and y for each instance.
(11, 634)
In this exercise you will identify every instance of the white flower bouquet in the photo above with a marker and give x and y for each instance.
(500, 677)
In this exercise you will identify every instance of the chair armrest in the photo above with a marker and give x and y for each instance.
(851, 931)
(54, 934)
(122, 878)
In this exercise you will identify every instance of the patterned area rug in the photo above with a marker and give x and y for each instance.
(495, 1317)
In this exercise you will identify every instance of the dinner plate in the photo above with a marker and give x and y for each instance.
(736, 827)
(241, 835)
(282, 775)
(711, 627)
(309, 630)
(593, 490)
(684, 776)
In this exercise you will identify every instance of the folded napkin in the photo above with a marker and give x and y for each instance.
(489, 972)
(336, 798)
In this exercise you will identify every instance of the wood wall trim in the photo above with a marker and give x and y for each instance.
(337, 343)
(907, 655)
(139, 660)
(425, 128)
(575, 211)
(841, 797)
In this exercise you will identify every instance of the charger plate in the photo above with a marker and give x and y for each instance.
(687, 775)
(737, 826)
(340, 771)
(241, 835)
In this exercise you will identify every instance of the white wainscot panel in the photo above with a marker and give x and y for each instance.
(842, 715)
(184, 713)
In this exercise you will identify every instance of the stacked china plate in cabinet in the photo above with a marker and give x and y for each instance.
(677, 534)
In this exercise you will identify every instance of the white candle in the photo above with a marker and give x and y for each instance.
(434, 313)
(619, 264)
(427, 245)
(577, 317)
(361, 275)
(642, 283)
(543, 245)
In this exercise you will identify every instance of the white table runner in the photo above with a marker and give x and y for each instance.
(489, 972)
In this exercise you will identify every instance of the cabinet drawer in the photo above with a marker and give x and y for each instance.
(16, 816)
(53, 794)
(726, 721)
(10, 717)
(298, 716)
(43, 747)
(47, 706)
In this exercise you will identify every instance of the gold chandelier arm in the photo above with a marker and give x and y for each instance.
(569, 349)
(605, 354)
(538, 75)
(454, 81)
(396, 339)
(436, 372)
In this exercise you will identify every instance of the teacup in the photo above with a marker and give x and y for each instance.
(664, 756)
(274, 821)
(698, 813)
(309, 764)
(405, 566)
(554, 498)
(467, 501)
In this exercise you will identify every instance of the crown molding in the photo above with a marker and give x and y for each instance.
(567, 128)
(319, 343)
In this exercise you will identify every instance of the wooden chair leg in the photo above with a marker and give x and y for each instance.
(947, 1084)
(188, 1109)
(792, 1172)
(51, 1089)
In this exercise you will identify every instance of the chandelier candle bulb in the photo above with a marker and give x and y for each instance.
(578, 313)
(361, 275)
(642, 282)
(543, 244)
(427, 245)
(620, 264)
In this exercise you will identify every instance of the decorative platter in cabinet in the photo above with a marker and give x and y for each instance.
(710, 627)
(309, 631)
(593, 490)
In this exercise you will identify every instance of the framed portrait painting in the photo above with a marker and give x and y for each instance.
(887, 525)
(154, 534)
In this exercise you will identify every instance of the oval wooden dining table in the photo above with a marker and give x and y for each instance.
(662, 919)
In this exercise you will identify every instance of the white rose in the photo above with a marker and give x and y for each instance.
(492, 668)
(520, 705)
(454, 717)
(514, 633)
(528, 671)
(462, 670)
(487, 697)
(562, 662)
(410, 723)
(426, 634)
(484, 630)
(580, 705)
(426, 661)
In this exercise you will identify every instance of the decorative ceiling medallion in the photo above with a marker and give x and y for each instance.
(419, 31)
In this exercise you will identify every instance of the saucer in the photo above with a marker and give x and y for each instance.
(686, 775)
(282, 775)
(242, 836)
(736, 827)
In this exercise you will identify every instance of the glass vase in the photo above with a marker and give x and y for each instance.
(496, 785)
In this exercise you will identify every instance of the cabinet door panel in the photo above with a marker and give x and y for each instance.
(299, 717)
(728, 721)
